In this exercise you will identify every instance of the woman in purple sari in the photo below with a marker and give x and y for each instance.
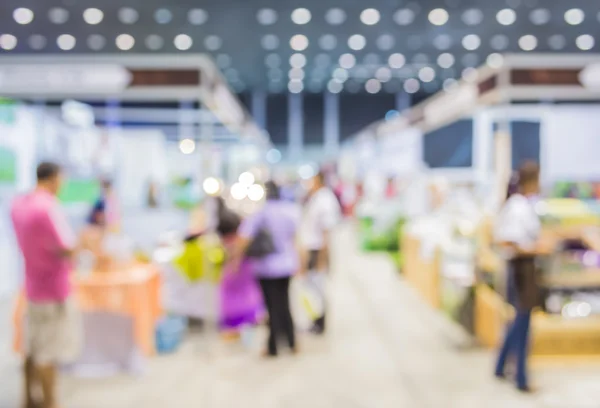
(241, 301)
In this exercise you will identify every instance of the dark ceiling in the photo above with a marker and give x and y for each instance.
(256, 54)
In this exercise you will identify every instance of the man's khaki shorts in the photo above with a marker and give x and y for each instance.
(53, 333)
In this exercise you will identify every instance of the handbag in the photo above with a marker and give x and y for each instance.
(262, 245)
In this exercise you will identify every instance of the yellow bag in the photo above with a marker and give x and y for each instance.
(200, 261)
(191, 261)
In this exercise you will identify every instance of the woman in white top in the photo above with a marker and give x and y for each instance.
(518, 233)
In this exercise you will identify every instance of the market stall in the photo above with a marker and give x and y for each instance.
(125, 299)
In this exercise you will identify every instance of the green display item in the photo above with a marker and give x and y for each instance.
(8, 166)
(80, 191)
(7, 111)
(388, 240)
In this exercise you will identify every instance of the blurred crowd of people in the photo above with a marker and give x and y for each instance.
(285, 237)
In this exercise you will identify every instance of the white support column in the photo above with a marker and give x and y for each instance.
(331, 123)
(295, 126)
(259, 108)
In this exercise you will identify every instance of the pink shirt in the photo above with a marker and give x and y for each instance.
(43, 235)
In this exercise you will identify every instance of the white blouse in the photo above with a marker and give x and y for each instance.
(518, 223)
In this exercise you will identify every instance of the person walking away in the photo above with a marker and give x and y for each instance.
(321, 214)
(241, 302)
(107, 204)
(279, 219)
(53, 327)
(517, 232)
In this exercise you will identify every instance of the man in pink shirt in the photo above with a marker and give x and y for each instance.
(53, 334)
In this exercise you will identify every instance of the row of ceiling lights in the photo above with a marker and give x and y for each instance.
(301, 16)
(96, 42)
(299, 42)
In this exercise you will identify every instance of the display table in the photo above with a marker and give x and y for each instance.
(131, 293)
(422, 268)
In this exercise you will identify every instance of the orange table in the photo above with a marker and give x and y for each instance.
(133, 291)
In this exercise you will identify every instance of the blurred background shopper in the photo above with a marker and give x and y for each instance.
(52, 322)
(321, 214)
(277, 222)
(518, 233)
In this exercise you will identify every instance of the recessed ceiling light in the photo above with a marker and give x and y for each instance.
(404, 17)
(58, 15)
(442, 42)
(299, 42)
(37, 42)
(334, 86)
(296, 74)
(373, 86)
(328, 42)
(472, 17)
(506, 16)
(273, 60)
(370, 16)
(383, 74)
(495, 60)
(269, 42)
(8, 42)
(96, 42)
(574, 16)
(301, 16)
(557, 42)
(154, 42)
(266, 16)
(445, 60)
(540, 16)
(66, 42)
(357, 42)
(412, 86)
(295, 86)
(385, 42)
(585, 42)
(125, 42)
(438, 16)
(470, 74)
(197, 16)
(213, 43)
(450, 85)
(163, 16)
(298, 60)
(183, 42)
(347, 61)
(23, 15)
(499, 42)
(128, 15)
(335, 16)
(93, 16)
(528, 42)
(426, 74)
(340, 74)
(397, 61)
(471, 42)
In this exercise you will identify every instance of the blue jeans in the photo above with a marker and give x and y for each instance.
(516, 341)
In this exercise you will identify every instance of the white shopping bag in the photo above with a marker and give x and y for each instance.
(308, 299)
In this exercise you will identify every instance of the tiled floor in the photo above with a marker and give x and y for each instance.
(384, 349)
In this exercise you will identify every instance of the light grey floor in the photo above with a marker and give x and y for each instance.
(384, 349)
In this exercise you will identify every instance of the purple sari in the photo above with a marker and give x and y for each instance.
(241, 300)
